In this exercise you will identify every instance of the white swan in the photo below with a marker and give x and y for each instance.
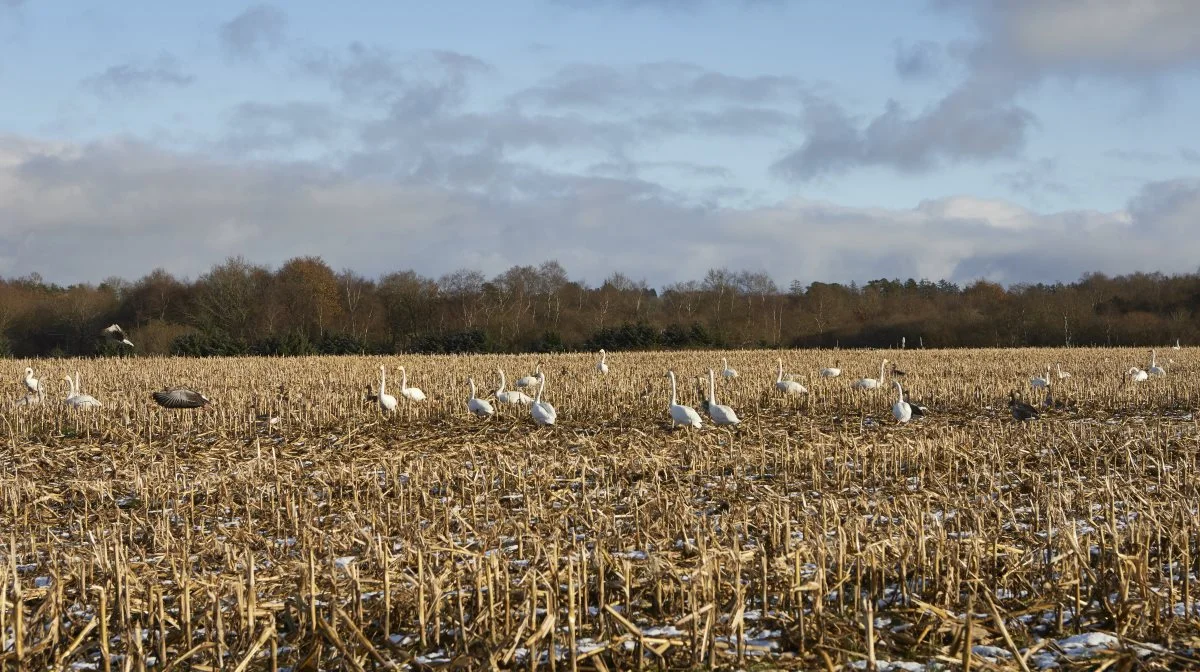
(788, 386)
(870, 383)
(602, 366)
(726, 371)
(410, 393)
(1155, 369)
(32, 384)
(543, 413)
(511, 396)
(721, 415)
(480, 407)
(77, 399)
(1041, 381)
(386, 401)
(680, 414)
(832, 371)
(901, 410)
(1137, 375)
(529, 381)
(1062, 375)
(1176, 344)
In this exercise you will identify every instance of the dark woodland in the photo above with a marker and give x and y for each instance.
(305, 307)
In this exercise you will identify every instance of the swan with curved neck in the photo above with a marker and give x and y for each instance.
(726, 371)
(510, 396)
(1155, 369)
(832, 371)
(479, 407)
(872, 383)
(31, 383)
(901, 410)
(410, 393)
(529, 381)
(543, 413)
(787, 386)
(386, 401)
(680, 414)
(75, 398)
(602, 365)
(720, 414)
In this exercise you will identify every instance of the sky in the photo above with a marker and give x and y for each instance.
(1017, 141)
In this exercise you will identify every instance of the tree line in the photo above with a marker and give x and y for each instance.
(305, 307)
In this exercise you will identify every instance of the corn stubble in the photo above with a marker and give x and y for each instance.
(338, 538)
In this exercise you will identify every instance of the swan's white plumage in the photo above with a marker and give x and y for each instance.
(543, 413)
(511, 396)
(77, 399)
(1041, 381)
(870, 383)
(386, 401)
(479, 407)
(680, 414)
(32, 384)
(410, 393)
(1155, 369)
(1137, 375)
(720, 414)
(788, 386)
(901, 409)
(832, 371)
(602, 365)
(726, 371)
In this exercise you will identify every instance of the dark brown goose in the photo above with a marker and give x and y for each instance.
(180, 397)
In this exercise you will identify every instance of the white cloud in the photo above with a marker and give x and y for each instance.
(81, 213)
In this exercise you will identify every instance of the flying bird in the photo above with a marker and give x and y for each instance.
(180, 397)
(113, 333)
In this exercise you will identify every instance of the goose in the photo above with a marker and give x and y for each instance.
(386, 401)
(29, 399)
(77, 399)
(901, 410)
(1041, 381)
(370, 396)
(788, 386)
(114, 333)
(543, 413)
(896, 372)
(1137, 375)
(680, 414)
(871, 383)
(410, 393)
(1062, 375)
(602, 366)
(1057, 404)
(1155, 369)
(180, 397)
(721, 415)
(511, 396)
(1021, 410)
(530, 381)
(726, 371)
(832, 371)
(480, 407)
(32, 384)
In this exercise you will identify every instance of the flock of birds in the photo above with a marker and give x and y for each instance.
(543, 413)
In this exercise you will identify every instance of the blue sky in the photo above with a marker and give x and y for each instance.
(1019, 141)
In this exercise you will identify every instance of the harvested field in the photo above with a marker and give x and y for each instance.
(300, 527)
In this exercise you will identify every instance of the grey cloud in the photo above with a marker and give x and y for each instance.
(366, 73)
(256, 30)
(968, 125)
(1189, 155)
(254, 127)
(917, 61)
(603, 87)
(135, 79)
(1104, 38)
(1035, 181)
(1137, 156)
(58, 203)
